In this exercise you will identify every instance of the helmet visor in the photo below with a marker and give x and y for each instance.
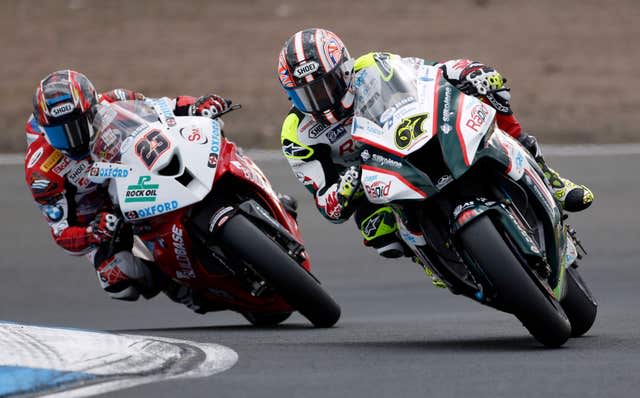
(71, 136)
(321, 94)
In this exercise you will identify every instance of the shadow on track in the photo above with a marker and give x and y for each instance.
(222, 328)
(476, 344)
(473, 344)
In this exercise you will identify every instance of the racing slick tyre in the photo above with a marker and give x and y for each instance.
(266, 318)
(540, 313)
(579, 304)
(297, 286)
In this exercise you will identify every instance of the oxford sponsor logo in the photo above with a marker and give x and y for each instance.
(306, 69)
(63, 109)
(157, 209)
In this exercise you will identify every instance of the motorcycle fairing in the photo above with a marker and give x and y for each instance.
(182, 171)
(383, 186)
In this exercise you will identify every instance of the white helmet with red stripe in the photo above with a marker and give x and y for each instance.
(316, 71)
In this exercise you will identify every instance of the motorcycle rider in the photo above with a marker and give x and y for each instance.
(78, 211)
(317, 73)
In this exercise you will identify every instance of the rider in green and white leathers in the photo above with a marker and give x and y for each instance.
(316, 71)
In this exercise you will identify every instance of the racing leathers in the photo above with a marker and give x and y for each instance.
(325, 158)
(78, 210)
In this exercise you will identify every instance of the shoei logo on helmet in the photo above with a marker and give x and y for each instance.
(306, 69)
(62, 109)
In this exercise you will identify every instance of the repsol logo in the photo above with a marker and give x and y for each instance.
(306, 69)
(62, 109)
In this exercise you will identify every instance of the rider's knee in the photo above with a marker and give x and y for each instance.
(123, 276)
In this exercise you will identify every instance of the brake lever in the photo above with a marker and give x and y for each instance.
(231, 108)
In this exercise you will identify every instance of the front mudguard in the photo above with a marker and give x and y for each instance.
(467, 212)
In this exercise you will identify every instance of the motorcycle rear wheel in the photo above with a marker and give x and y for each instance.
(515, 287)
(298, 288)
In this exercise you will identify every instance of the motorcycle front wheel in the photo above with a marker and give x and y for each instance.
(538, 311)
(579, 304)
(298, 288)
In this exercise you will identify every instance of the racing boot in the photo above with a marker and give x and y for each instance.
(571, 196)
(435, 281)
(185, 295)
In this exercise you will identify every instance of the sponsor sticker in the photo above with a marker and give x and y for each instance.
(142, 191)
(365, 155)
(35, 157)
(306, 69)
(444, 181)
(62, 109)
(53, 212)
(213, 160)
(51, 161)
(317, 130)
(78, 173)
(62, 167)
(166, 111)
(182, 257)
(336, 133)
(384, 161)
(111, 172)
(479, 114)
(154, 210)
(378, 189)
(194, 135)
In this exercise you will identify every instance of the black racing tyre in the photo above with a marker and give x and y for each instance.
(266, 318)
(579, 304)
(538, 312)
(298, 288)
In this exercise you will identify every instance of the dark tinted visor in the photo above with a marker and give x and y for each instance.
(321, 94)
(72, 135)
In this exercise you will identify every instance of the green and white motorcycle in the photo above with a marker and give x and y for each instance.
(469, 200)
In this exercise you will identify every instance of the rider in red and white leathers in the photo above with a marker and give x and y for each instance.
(317, 73)
(78, 211)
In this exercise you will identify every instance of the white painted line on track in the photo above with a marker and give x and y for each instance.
(591, 150)
(274, 155)
(75, 363)
(7, 159)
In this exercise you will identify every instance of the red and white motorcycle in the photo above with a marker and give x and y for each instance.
(205, 214)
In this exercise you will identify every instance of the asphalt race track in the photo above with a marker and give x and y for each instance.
(398, 336)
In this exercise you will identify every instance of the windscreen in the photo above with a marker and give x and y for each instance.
(116, 125)
(383, 88)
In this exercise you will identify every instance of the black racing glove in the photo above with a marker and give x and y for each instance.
(481, 80)
(531, 144)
